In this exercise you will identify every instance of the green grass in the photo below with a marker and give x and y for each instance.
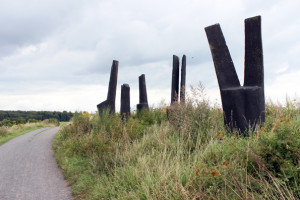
(7, 134)
(62, 124)
(191, 156)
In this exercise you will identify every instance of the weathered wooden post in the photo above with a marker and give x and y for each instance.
(243, 106)
(109, 103)
(182, 80)
(125, 101)
(175, 80)
(143, 101)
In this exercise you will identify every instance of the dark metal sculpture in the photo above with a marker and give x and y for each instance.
(125, 101)
(182, 80)
(243, 106)
(175, 80)
(109, 103)
(143, 103)
(175, 83)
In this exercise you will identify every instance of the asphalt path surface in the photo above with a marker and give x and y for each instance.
(28, 170)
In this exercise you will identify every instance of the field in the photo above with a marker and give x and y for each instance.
(191, 156)
(8, 133)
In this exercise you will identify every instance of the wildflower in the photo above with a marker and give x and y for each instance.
(220, 135)
(165, 109)
(225, 163)
(285, 120)
(214, 172)
(235, 134)
(86, 114)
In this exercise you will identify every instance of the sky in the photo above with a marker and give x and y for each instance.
(56, 55)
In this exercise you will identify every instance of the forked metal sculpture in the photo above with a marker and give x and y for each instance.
(243, 106)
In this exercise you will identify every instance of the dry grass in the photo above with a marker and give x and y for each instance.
(8, 133)
(190, 157)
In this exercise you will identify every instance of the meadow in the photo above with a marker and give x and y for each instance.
(189, 156)
(9, 132)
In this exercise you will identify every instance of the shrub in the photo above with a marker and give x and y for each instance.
(3, 131)
(51, 121)
(80, 121)
(191, 156)
(7, 123)
(280, 149)
(33, 121)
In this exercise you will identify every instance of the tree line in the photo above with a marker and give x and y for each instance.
(9, 118)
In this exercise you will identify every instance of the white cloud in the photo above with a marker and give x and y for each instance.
(284, 85)
(65, 48)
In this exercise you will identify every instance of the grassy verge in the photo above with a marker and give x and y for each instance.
(7, 134)
(62, 124)
(190, 157)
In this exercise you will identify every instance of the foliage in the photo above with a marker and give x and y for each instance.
(8, 133)
(10, 118)
(3, 131)
(191, 156)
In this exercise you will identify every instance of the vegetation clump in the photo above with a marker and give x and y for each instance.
(9, 132)
(10, 118)
(191, 156)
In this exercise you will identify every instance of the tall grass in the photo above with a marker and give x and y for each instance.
(191, 156)
(8, 133)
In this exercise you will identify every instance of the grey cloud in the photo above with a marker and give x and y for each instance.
(46, 45)
(30, 22)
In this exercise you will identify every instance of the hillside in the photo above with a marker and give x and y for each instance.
(191, 156)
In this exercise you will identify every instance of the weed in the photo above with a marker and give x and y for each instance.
(190, 157)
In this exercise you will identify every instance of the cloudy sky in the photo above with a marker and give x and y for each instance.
(57, 55)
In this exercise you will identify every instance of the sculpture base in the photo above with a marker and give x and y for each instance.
(244, 108)
(106, 105)
(142, 106)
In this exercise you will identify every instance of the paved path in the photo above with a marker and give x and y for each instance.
(28, 170)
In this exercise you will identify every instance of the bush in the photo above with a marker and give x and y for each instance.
(191, 156)
(51, 121)
(7, 123)
(80, 122)
(280, 149)
(3, 131)
(153, 116)
(33, 121)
